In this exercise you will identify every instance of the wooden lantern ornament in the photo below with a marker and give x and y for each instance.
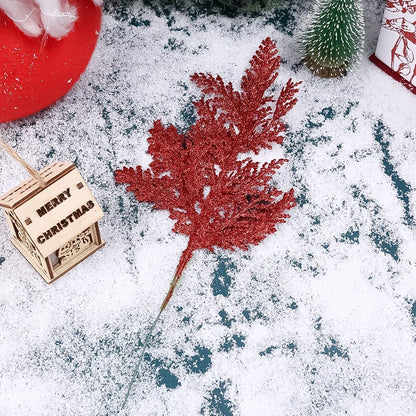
(53, 218)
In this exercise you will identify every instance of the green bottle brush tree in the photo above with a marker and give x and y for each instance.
(333, 40)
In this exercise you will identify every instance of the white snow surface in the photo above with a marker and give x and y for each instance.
(318, 319)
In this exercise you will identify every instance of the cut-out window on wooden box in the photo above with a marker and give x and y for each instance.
(55, 227)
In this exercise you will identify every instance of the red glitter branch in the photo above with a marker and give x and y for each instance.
(215, 197)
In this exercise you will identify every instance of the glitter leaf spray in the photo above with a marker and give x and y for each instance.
(216, 195)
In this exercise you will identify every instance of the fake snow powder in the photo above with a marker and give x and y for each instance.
(319, 319)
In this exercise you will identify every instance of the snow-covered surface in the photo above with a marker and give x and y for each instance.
(319, 319)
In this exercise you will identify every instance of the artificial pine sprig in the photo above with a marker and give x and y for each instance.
(214, 196)
(334, 38)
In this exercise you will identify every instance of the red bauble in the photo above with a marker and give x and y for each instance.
(34, 75)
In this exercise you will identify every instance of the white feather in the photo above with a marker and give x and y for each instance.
(25, 15)
(57, 17)
(34, 17)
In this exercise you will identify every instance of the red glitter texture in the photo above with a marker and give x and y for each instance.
(216, 197)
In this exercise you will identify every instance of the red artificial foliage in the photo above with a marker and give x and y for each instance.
(214, 196)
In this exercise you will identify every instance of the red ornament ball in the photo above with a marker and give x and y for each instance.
(35, 74)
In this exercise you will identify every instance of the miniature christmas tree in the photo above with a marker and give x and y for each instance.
(333, 40)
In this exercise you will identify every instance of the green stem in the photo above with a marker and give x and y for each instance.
(136, 370)
(185, 257)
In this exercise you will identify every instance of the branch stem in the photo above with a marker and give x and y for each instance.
(185, 257)
(136, 370)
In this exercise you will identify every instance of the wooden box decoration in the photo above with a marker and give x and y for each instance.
(396, 47)
(54, 224)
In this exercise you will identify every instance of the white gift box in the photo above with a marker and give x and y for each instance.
(396, 46)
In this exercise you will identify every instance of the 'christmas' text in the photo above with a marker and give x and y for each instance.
(65, 222)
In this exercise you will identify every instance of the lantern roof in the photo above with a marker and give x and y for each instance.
(30, 187)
